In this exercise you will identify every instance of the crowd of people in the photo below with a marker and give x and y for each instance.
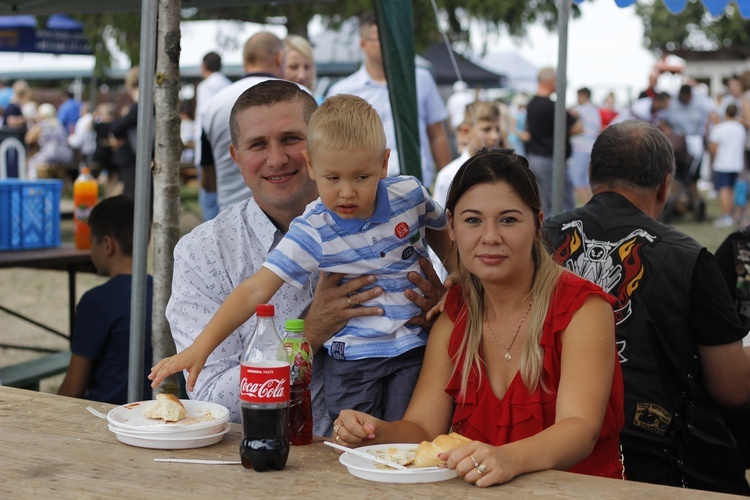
(599, 340)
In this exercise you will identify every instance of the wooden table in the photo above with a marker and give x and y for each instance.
(50, 446)
(64, 258)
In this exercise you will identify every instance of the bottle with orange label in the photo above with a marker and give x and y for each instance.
(85, 196)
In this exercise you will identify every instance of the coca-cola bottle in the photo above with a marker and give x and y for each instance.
(264, 396)
(300, 404)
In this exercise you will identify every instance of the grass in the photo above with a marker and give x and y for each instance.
(704, 232)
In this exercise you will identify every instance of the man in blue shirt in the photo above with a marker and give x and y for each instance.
(69, 112)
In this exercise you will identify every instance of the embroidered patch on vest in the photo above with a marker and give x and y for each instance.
(652, 417)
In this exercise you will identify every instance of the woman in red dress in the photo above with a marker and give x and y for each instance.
(523, 359)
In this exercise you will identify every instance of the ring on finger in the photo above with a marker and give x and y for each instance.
(481, 469)
(349, 300)
(476, 464)
(336, 428)
(336, 438)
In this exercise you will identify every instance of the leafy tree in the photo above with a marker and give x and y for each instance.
(492, 16)
(693, 29)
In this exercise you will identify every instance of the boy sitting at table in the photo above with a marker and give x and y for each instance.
(363, 223)
(98, 368)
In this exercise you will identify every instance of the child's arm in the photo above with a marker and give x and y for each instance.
(237, 309)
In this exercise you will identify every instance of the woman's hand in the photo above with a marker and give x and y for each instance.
(481, 464)
(354, 428)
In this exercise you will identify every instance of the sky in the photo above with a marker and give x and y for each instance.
(604, 50)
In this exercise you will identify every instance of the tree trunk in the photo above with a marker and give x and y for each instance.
(166, 177)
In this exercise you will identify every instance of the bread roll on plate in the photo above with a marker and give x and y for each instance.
(427, 451)
(167, 407)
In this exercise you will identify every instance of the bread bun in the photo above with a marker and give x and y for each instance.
(428, 451)
(167, 407)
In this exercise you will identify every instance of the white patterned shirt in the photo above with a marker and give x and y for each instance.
(209, 263)
(388, 245)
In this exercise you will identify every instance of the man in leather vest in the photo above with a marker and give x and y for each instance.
(678, 333)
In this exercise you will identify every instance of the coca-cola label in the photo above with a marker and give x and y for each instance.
(264, 384)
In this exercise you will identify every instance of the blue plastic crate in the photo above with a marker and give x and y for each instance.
(29, 214)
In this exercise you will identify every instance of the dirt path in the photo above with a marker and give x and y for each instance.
(42, 295)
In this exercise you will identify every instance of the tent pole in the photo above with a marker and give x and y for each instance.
(561, 132)
(149, 10)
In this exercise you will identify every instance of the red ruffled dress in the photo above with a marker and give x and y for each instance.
(520, 414)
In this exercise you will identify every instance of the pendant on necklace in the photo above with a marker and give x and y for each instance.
(508, 356)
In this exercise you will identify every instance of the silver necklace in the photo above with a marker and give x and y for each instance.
(508, 357)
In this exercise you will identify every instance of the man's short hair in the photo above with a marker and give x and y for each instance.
(686, 90)
(731, 111)
(346, 123)
(114, 217)
(481, 111)
(547, 75)
(633, 154)
(212, 62)
(585, 91)
(367, 20)
(269, 93)
(262, 48)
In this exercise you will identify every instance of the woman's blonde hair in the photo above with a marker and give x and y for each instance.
(296, 43)
(490, 167)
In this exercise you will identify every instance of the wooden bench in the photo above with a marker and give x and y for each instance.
(27, 375)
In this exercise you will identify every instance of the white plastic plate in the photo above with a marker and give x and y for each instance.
(200, 415)
(365, 469)
(170, 443)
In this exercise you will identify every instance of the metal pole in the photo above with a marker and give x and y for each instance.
(561, 126)
(149, 11)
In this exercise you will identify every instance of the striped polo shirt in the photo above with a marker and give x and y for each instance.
(388, 245)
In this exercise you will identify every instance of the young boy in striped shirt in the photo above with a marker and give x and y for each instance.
(363, 223)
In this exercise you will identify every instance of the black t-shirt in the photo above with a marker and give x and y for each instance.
(540, 123)
(713, 319)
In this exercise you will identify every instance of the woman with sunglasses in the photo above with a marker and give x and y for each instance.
(523, 360)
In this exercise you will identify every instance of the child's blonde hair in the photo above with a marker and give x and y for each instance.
(346, 123)
(481, 111)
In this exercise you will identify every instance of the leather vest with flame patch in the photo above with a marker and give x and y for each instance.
(648, 267)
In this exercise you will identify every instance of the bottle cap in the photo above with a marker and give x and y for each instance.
(85, 170)
(295, 325)
(264, 310)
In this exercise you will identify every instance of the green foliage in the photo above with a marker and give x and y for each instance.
(123, 29)
(694, 28)
(493, 16)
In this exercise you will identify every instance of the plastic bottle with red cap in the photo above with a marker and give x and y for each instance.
(264, 396)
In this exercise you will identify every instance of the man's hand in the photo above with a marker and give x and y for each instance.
(432, 290)
(334, 305)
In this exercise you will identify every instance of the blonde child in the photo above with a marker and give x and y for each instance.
(363, 223)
